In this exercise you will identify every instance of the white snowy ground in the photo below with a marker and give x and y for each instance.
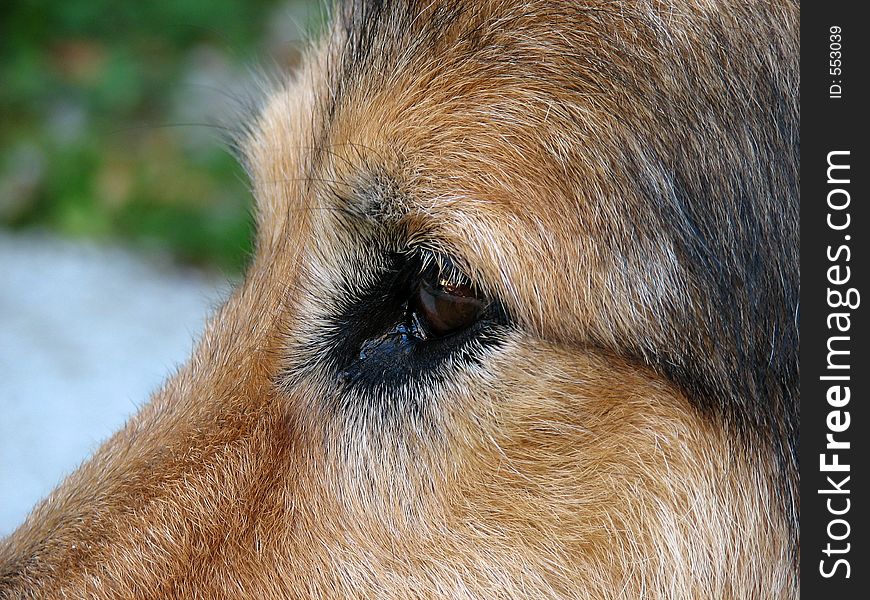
(87, 332)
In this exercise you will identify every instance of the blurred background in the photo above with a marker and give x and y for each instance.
(124, 216)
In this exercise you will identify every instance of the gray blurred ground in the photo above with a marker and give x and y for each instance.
(87, 332)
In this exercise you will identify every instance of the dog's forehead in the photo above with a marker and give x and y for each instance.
(450, 104)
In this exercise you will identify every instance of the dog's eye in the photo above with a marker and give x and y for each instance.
(445, 304)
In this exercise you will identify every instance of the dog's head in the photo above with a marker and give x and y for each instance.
(520, 323)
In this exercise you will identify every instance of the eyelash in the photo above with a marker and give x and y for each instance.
(446, 268)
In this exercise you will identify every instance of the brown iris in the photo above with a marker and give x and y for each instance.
(444, 306)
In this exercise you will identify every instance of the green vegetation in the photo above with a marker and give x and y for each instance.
(104, 106)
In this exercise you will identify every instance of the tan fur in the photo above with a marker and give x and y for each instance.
(567, 464)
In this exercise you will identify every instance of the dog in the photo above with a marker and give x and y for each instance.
(521, 322)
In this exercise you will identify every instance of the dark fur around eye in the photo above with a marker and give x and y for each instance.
(384, 338)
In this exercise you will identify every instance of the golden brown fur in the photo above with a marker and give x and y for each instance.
(621, 176)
